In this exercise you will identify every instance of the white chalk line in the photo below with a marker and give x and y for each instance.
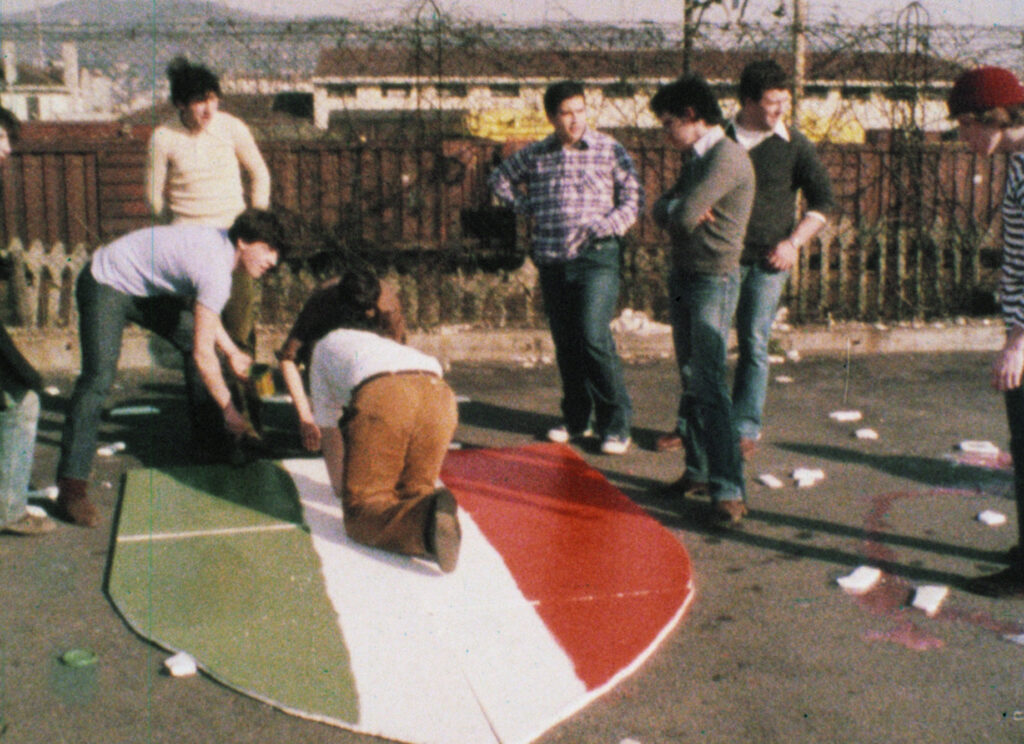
(222, 532)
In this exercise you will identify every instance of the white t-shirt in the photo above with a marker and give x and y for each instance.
(344, 358)
(183, 260)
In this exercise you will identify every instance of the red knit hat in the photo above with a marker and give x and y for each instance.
(976, 91)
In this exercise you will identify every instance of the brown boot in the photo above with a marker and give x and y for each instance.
(73, 503)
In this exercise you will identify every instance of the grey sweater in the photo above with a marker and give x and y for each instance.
(722, 182)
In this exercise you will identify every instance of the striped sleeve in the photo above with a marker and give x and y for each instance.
(1011, 282)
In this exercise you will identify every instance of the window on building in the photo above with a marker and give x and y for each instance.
(395, 90)
(855, 92)
(619, 90)
(505, 90)
(32, 104)
(901, 93)
(816, 91)
(452, 90)
(342, 90)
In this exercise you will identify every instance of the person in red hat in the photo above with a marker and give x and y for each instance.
(988, 105)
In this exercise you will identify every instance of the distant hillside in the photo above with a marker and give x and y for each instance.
(131, 12)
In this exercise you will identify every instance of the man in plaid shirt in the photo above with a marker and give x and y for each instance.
(581, 190)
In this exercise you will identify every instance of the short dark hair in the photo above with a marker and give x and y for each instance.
(260, 225)
(760, 76)
(561, 91)
(688, 94)
(191, 82)
(10, 123)
(353, 302)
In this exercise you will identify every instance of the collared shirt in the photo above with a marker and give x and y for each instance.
(574, 194)
(751, 138)
(708, 140)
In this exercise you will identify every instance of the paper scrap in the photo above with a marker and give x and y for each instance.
(978, 447)
(35, 511)
(846, 415)
(806, 477)
(866, 434)
(181, 665)
(49, 493)
(992, 518)
(111, 449)
(783, 379)
(1018, 639)
(861, 580)
(929, 598)
(769, 480)
(52, 390)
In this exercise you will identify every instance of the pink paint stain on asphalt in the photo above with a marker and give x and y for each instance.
(891, 596)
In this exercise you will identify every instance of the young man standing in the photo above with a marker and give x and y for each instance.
(705, 214)
(582, 191)
(785, 163)
(173, 280)
(19, 410)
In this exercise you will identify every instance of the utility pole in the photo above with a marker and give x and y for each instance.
(799, 55)
(689, 31)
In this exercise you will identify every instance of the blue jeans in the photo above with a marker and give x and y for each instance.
(702, 308)
(18, 421)
(103, 313)
(580, 298)
(760, 292)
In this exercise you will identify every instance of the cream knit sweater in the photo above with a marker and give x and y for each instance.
(195, 176)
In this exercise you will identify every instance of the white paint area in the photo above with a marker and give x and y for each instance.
(461, 658)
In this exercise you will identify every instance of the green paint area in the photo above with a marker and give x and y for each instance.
(250, 606)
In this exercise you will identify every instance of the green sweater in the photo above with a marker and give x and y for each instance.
(783, 168)
(720, 181)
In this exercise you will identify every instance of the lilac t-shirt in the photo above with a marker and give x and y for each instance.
(191, 261)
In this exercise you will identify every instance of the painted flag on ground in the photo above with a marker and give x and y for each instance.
(563, 587)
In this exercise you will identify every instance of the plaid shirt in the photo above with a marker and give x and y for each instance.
(575, 195)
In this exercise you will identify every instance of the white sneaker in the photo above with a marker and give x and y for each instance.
(613, 445)
(561, 435)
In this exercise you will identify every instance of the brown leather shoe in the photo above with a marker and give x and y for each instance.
(731, 512)
(748, 447)
(73, 503)
(685, 486)
(668, 442)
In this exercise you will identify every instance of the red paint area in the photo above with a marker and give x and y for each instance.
(606, 577)
(892, 596)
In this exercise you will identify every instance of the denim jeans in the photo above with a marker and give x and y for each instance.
(18, 421)
(760, 291)
(580, 298)
(702, 308)
(1015, 418)
(103, 313)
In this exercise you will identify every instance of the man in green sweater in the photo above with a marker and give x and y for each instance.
(785, 162)
(705, 214)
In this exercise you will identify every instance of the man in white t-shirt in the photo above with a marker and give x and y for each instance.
(387, 417)
(173, 280)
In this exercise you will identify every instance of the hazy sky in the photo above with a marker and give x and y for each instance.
(1004, 12)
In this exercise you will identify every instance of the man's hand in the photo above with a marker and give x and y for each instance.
(240, 362)
(1009, 364)
(783, 256)
(234, 422)
(708, 216)
(310, 435)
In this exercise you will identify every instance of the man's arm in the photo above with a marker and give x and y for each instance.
(252, 162)
(204, 352)
(156, 173)
(504, 180)
(629, 198)
(694, 198)
(812, 179)
(333, 447)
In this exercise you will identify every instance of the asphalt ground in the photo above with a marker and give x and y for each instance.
(771, 649)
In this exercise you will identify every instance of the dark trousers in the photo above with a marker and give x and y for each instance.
(1015, 417)
(103, 313)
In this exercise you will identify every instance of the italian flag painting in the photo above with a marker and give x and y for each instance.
(563, 588)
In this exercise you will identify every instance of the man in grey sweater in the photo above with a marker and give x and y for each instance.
(705, 214)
